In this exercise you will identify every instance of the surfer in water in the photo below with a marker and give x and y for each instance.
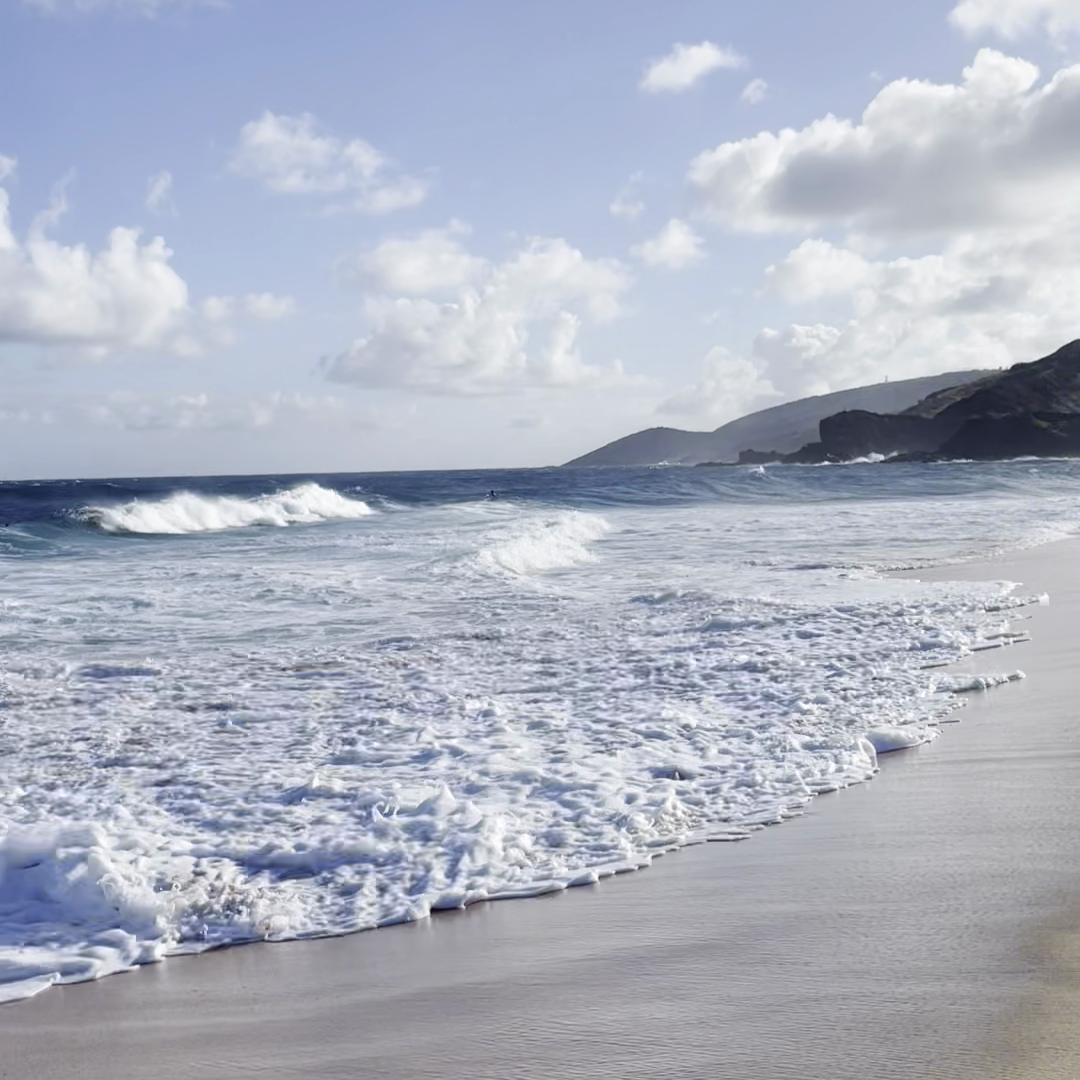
(492, 494)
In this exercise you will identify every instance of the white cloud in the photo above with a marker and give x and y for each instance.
(432, 261)
(981, 175)
(755, 91)
(994, 150)
(685, 65)
(627, 203)
(7, 167)
(267, 307)
(513, 324)
(148, 9)
(730, 386)
(292, 155)
(675, 247)
(159, 198)
(1013, 18)
(986, 300)
(817, 269)
(126, 295)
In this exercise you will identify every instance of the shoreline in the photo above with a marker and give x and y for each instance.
(912, 925)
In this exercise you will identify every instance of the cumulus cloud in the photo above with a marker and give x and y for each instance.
(685, 65)
(159, 198)
(126, 295)
(755, 91)
(977, 178)
(507, 325)
(432, 261)
(818, 269)
(730, 386)
(7, 167)
(1013, 18)
(148, 9)
(675, 247)
(993, 150)
(293, 155)
(627, 202)
(985, 300)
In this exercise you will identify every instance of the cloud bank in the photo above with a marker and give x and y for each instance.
(978, 177)
(995, 149)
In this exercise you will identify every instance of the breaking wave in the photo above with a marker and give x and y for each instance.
(547, 543)
(186, 512)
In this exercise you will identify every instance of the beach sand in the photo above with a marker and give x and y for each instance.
(924, 925)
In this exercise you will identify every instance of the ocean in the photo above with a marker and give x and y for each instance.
(276, 707)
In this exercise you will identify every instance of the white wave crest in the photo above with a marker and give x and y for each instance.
(189, 512)
(547, 543)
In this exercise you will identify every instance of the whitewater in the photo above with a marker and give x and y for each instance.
(245, 708)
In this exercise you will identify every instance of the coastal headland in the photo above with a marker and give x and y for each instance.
(1027, 410)
(925, 924)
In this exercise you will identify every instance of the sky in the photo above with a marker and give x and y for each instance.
(245, 236)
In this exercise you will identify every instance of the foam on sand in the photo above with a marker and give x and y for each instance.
(887, 739)
(286, 733)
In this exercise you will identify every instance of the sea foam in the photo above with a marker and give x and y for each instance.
(547, 542)
(189, 512)
(287, 733)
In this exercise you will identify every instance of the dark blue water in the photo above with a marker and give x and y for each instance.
(59, 502)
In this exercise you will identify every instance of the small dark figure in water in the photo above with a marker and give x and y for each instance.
(492, 494)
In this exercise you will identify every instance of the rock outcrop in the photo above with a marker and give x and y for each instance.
(1029, 410)
(858, 433)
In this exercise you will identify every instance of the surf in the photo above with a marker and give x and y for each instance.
(185, 512)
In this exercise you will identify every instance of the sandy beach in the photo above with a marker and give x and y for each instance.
(925, 924)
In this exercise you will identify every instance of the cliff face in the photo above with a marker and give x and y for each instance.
(1031, 409)
(987, 438)
(1049, 385)
(858, 434)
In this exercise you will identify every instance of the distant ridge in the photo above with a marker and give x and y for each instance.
(784, 428)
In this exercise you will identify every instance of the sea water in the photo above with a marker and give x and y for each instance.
(281, 707)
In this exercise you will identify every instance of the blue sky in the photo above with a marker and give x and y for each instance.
(256, 235)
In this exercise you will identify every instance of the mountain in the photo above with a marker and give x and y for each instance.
(1030, 409)
(781, 428)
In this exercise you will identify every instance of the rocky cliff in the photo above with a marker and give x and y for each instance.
(1030, 409)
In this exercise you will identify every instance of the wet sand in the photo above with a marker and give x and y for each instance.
(924, 925)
